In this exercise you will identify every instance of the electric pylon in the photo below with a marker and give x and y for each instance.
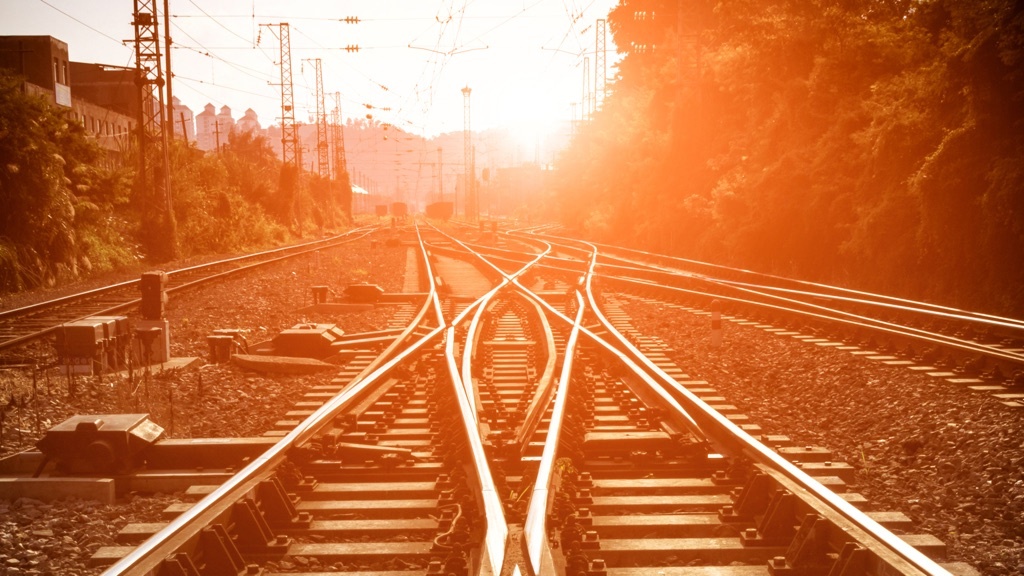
(323, 155)
(600, 67)
(154, 182)
(340, 163)
(586, 89)
(338, 139)
(468, 150)
(289, 130)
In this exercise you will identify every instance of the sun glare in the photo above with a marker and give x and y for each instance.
(531, 118)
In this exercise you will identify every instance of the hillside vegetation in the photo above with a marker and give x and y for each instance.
(877, 144)
(68, 210)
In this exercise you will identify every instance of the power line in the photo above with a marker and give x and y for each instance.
(222, 86)
(101, 33)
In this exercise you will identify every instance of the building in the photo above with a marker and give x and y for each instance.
(100, 100)
(105, 99)
(43, 62)
(206, 122)
(182, 121)
(249, 122)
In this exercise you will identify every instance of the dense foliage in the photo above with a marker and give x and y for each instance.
(873, 143)
(45, 168)
(69, 207)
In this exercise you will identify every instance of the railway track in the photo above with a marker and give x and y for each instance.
(25, 324)
(517, 423)
(966, 347)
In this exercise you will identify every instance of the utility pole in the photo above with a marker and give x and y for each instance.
(440, 176)
(340, 163)
(167, 79)
(323, 157)
(467, 149)
(153, 128)
(289, 130)
(291, 159)
(586, 88)
(600, 67)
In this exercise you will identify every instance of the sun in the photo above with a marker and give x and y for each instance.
(534, 117)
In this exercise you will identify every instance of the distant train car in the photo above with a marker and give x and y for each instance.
(439, 210)
(399, 210)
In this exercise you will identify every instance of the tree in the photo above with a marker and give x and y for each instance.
(870, 143)
(43, 154)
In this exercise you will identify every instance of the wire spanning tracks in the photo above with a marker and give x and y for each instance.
(21, 325)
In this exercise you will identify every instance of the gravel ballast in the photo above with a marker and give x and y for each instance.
(203, 400)
(950, 458)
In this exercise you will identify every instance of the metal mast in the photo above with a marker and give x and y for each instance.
(289, 131)
(340, 163)
(600, 67)
(440, 176)
(338, 140)
(585, 115)
(467, 148)
(323, 153)
(153, 124)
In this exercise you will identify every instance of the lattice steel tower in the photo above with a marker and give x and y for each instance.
(289, 131)
(323, 153)
(338, 140)
(585, 114)
(468, 149)
(154, 177)
(600, 66)
(340, 163)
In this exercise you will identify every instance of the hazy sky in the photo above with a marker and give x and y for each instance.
(523, 59)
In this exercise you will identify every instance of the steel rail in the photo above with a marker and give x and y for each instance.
(724, 432)
(910, 330)
(964, 316)
(535, 527)
(867, 323)
(717, 424)
(987, 319)
(147, 557)
(496, 533)
(545, 385)
(129, 283)
(536, 410)
(922, 309)
(127, 305)
(661, 394)
(864, 321)
(860, 321)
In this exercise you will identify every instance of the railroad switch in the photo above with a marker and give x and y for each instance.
(103, 444)
(364, 293)
(307, 340)
(80, 345)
